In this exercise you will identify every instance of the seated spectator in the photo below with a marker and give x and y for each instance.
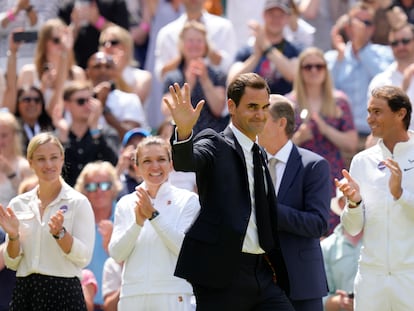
(340, 253)
(111, 284)
(205, 82)
(117, 42)
(99, 182)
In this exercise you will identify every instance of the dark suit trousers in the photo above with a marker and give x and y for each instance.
(308, 305)
(252, 290)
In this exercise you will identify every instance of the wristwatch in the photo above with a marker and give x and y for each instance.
(353, 203)
(153, 215)
(60, 234)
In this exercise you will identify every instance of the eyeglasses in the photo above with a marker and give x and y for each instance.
(318, 67)
(109, 43)
(403, 41)
(94, 186)
(55, 40)
(80, 101)
(28, 99)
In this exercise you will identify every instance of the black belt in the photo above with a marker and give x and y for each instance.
(251, 259)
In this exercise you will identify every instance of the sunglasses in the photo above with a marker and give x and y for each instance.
(28, 99)
(81, 101)
(403, 41)
(101, 66)
(109, 43)
(55, 40)
(367, 23)
(94, 186)
(318, 67)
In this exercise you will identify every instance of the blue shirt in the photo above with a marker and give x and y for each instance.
(353, 74)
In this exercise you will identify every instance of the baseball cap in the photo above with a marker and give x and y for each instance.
(138, 131)
(335, 200)
(281, 4)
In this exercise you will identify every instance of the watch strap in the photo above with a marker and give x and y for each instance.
(153, 215)
(61, 234)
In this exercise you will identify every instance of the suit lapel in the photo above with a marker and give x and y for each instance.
(292, 167)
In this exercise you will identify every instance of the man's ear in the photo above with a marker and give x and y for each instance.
(231, 105)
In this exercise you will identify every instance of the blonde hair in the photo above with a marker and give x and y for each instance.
(41, 139)
(193, 24)
(46, 33)
(97, 167)
(299, 90)
(125, 39)
(9, 120)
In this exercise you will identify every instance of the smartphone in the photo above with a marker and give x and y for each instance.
(25, 36)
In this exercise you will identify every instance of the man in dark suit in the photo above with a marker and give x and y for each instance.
(221, 255)
(303, 190)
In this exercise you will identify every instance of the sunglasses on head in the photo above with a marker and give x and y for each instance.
(94, 186)
(318, 67)
(28, 99)
(81, 101)
(109, 43)
(55, 40)
(102, 65)
(403, 41)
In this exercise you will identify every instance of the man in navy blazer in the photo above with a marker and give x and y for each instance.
(221, 255)
(303, 193)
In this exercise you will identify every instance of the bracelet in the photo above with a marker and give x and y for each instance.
(15, 238)
(270, 48)
(10, 15)
(12, 175)
(100, 22)
(145, 26)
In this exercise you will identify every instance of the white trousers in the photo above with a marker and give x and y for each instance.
(162, 302)
(379, 291)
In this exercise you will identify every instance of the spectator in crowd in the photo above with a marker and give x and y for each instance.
(53, 65)
(122, 111)
(400, 72)
(84, 141)
(117, 42)
(380, 189)
(88, 19)
(353, 64)
(148, 232)
(13, 166)
(48, 256)
(324, 122)
(205, 82)
(271, 55)
(340, 253)
(100, 183)
(162, 12)
(301, 183)
(26, 103)
(322, 14)
(406, 5)
(111, 284)
(125, 166)
(89, 288)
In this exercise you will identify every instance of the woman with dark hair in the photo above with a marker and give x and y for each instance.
(31, 112)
